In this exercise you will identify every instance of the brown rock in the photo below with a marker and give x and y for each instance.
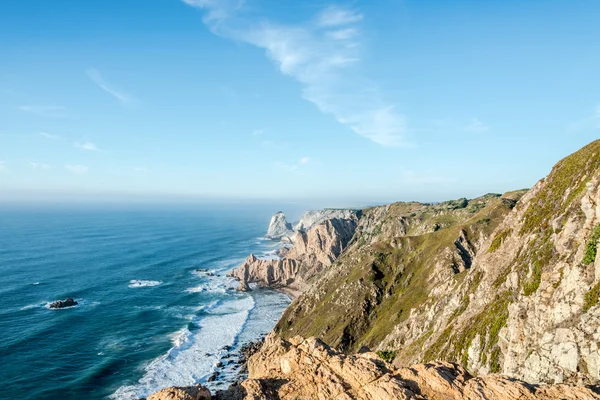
(182, 393)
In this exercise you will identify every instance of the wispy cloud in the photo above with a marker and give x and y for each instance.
(44, 110)
(122, 97)
(295, 168)
(140, 169)
(76, 169)
(476, 126)
(35, 165)
(48, 135)
(3, 167)
(337, 16)
(257, 132)
(89, 146)
(322, 54)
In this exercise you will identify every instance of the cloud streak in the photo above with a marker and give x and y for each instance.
(76, 169)
(35, 165)
(89, 146)
(322, 54)
(121, 97)
(44, 110)
(49, 135)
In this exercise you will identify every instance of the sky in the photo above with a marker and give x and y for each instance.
(333, 102)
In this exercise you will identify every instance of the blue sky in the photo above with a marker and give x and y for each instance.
(331, 102)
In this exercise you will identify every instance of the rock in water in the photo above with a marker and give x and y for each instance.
(182, 393)
(279, 227)
(68, 302)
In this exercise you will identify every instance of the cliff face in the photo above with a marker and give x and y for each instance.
(313, 250)
(309, 369)
(504, 284)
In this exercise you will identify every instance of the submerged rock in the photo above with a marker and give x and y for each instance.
(68, 302)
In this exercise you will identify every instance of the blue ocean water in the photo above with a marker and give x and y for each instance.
(146, 318)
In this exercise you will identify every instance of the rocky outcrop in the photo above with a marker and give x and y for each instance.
(182, 393)
(68, 302)
(308, 369)
(279, 228)
(313, 218)
(501, 284)
(313, 250)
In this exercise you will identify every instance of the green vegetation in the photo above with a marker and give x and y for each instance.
(565, 183)
(387, 355)
(376, 287)
(499, 239)
(533, 284)
(592, 247)
(591, 297)
(454, 344)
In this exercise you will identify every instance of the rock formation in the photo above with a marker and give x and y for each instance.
(182, 393)
(68, 302)
(308, 369)
(313, 250)
(312, 218)
(279, 228)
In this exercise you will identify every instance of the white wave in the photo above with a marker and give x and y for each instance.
(187, 363)
(47, 305)
(30, 306)
(35, 283)
(136, 283)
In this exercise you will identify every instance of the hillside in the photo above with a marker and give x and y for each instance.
(503, 284)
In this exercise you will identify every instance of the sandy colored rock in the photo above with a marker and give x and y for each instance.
(309, 369)
(182, 393)
(313, 250)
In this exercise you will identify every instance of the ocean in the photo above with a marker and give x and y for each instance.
(146, 318)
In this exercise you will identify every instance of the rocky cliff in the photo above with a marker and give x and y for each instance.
(301, 369)
(313, 250)
(279, 227)
(500, 284)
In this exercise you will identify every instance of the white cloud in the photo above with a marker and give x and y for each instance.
(140, 169)
(337, 16)
(89, 146)
(95, 76)
(44, 110)
(48, 135)
(322, 54)
(3, 167)
(76, 169)
(40, 166)
(257, 132)
(296, 168)
(476, 126)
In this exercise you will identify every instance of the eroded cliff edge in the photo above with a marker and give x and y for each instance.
(309, 369)
(319, 238)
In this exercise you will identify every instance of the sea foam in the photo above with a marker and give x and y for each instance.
(136, 283)
(187, 362)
